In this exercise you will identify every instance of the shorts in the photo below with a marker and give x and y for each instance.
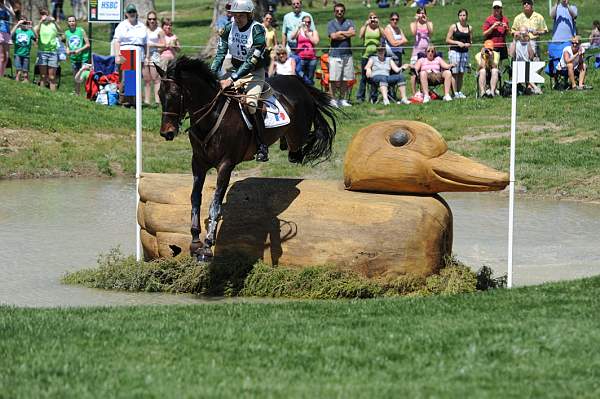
(461, 60)
(149, 73)
(47, 58)
(435, 78)
(5, 38)
(503, 52)
(341, 68)
(21, 63)
(76, 66)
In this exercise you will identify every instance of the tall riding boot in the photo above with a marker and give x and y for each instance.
(262, 153)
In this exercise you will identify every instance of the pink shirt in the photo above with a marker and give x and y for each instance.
(431, 66)
(306, 50)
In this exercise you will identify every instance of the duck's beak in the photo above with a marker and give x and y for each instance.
(457, 173)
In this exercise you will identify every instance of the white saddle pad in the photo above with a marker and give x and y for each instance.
(276, 115)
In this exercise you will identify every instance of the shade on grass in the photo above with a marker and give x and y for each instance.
(526, 342)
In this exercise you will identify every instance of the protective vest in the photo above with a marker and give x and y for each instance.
(239, 43)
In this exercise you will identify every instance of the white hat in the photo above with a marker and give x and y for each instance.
(242, 6)
(497, 3)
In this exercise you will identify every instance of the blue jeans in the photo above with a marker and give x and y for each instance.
(362, 87)
(307, 71)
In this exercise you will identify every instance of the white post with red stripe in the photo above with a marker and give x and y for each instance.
(138, 147)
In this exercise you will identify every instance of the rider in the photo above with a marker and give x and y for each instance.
(245, 41)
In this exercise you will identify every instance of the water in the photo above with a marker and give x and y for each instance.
(49, 227)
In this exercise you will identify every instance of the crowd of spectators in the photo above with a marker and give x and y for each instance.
(379, 56)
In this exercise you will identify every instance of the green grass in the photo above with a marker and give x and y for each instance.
(526, 342)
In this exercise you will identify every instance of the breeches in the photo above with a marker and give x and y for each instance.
(253, 84)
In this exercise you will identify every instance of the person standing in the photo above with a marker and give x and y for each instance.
(271, 37)
(564, 15)
(172, 45)
(341, 66)
(291, 21)
(422, 30)
(307, 39)
(23, 37)
(460, 37)
(6, 16)
(534, 22)
(47, 32)
(130, 34)
(371, 34)
(77, 48)
(495, 28)
(155, 43)
(394, 40)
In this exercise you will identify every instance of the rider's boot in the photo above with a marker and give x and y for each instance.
(262, 153)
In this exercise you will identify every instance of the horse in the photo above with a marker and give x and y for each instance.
(221, 138)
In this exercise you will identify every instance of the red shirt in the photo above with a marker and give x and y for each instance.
(498, 34)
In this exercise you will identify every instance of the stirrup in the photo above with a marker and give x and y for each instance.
(262, 155)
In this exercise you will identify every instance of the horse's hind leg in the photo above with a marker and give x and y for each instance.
(196, 200)
(223, 177)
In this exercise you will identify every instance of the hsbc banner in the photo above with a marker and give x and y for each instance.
(105, 10)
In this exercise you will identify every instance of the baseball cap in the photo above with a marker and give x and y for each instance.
(489, 44)
(130, 8)
(497, 3)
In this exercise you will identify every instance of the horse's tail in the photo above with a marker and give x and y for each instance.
(320, 139)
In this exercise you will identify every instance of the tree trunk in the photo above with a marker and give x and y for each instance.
(143, 7)
(31, 9)
(218, 10)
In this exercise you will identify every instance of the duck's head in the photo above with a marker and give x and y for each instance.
(412, 157)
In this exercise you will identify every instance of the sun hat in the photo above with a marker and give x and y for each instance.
(497, 3)
(130, 8)
(488, 44)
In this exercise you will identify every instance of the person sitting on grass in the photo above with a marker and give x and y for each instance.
(487, 63)
(23, 37)
(522, 50)
(377, 71)
(572, 63)
(433, 70)
(282, 64)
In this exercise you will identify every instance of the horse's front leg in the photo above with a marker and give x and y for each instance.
(214, 212)
(196, 200)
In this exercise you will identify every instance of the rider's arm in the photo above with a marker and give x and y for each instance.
(221, 49)
(255, 56)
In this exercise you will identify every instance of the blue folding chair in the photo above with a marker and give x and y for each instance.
(104, 63)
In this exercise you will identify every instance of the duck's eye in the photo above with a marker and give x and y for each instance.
(399, 138)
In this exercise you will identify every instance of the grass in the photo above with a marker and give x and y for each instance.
(526, 342)
(49, 134)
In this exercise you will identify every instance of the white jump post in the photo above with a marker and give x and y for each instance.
(522, 72)
(172, 10)
(138, 147)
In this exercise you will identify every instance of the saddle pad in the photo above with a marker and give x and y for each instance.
(276, 115)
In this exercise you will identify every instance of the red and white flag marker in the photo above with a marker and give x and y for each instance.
(522, 72)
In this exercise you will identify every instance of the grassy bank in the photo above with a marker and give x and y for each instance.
(558, 152)
(527, 342)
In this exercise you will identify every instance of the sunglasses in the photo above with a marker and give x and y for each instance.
(151, 19)
(393, 19)
(430, 51)
(497, 8)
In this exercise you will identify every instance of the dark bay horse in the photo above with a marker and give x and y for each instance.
(221, 139)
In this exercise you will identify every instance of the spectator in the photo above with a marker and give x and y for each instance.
(77, 7)
(57, 10)
(383, 3)
(423, 3)
(291, 21)
(6, 15)
(155, 43)
(341, 67)
(371, 34)
(282, 64)
(223, 20)
(572, 62)
(495, 28)
(77, 48)
(595, 35)
(394, 40)
(460, 36)
(433, 70)
(306, 40)
(522, 50)
(271, 37)
(534, 22)
(172, 45)
(378, 71)
(422, 30)
(47, 32)
(564, 16)
(130, 34)
(487, 63)
(23, 37)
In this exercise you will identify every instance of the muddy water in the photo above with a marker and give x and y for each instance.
(49, 227)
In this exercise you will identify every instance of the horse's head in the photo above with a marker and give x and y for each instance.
(171, 95)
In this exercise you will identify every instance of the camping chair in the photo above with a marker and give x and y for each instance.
(504, 84)
(104, 63)
(561, 80)
(413, 75)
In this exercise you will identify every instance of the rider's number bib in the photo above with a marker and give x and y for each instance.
(239, 43)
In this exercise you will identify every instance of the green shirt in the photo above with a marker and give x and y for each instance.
(75, 40)
(23, 40)
(48, 35)
(372, 41)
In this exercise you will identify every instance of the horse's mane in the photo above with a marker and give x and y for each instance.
(194, 66)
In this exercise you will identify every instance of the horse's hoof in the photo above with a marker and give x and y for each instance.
(295, 157)
(204, 258)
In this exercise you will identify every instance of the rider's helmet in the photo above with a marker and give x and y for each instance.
(242, 6)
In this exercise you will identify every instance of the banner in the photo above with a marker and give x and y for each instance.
(105, 10)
